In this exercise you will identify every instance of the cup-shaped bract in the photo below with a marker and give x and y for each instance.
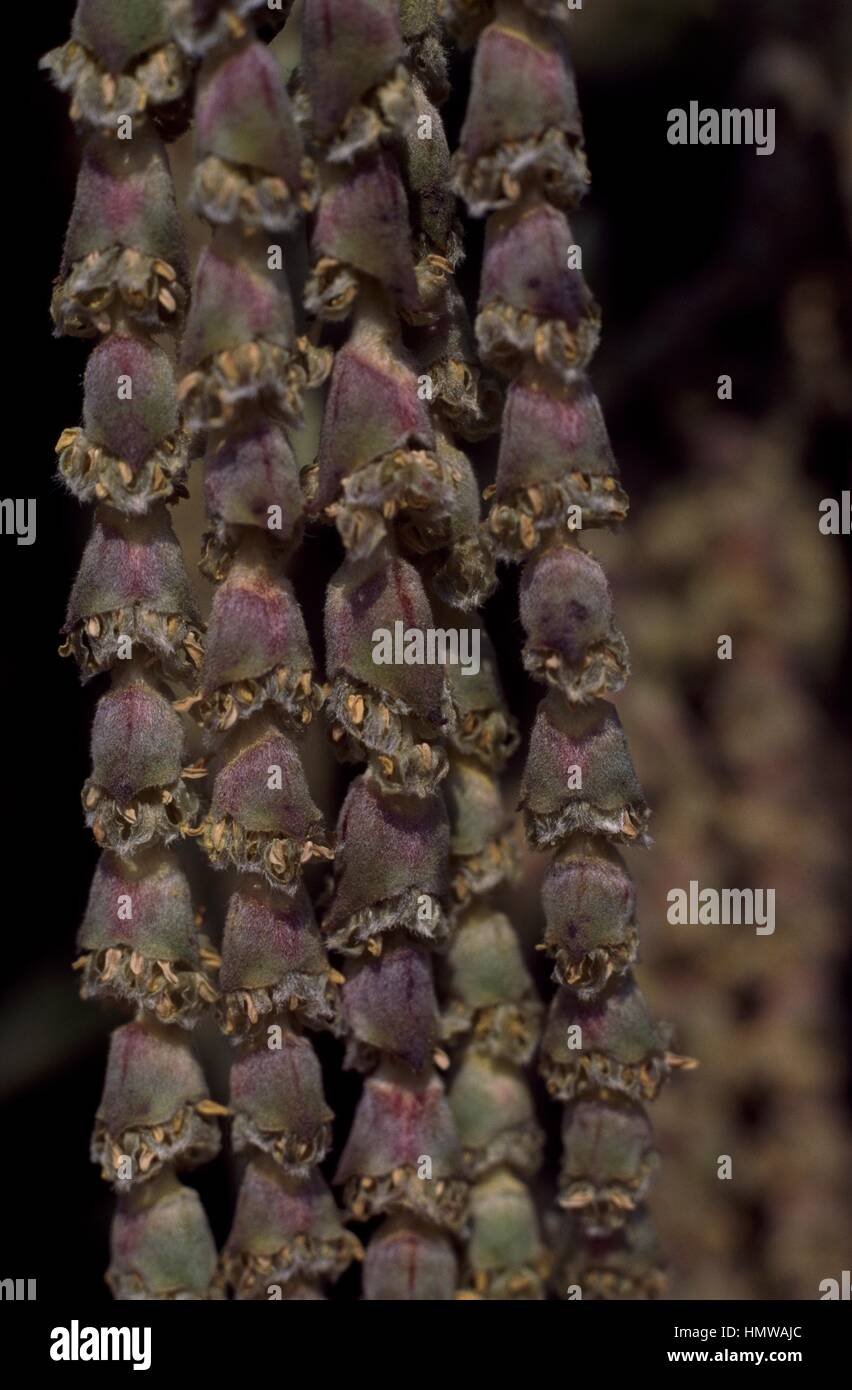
(589, 906)
(482, 846)
(155, 1108)
(506, 1257)
(389, 1007)
(625, 1265)
(278, 1104)
(495, 1116)
(572, 639)
(161, 1246)
(409, 1261)
(251, 481)
(351, 67)
(608, 1158)
(493, 1006)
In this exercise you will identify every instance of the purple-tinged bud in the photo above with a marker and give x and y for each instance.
(569, 480)
(407, 1261)
(608, 1044)
(485, 729)
(466, 18)
(273, 960)
(251, 479)
(495, 1116)
(286, 1231)
(120, 62)
(505, 1254)
(482, 845)
(420, 23)
(262, 819)
(446, 352)
(257, 652)
(132, 592)
(387, 699)
(362, 228)
(608, 1159)
(390, 1009)
(522, 127)
(532, 309)
(139, 941)
(155, 1108)
(124, 254)
(278, 1104)
(402, 1153)
(240, 351)
(590, 910)
(161, 1246)
(567, 613)
(579, 776)
(403, 888)
(136, 795)
(493, 1005)
(251, 167)
(626, 1265)
(200, 26)
(356, 87)
(131, 451)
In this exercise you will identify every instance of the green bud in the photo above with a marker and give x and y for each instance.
(405, 888)
(131, 593)
(493, 1004)
(273, 959)
(570, 477)
(506, 1257)
(608, 1160)
(532, 310)
(262, 819)
(278, 1104)
(136, 795)
(155, 1108)
(139, 943)
(402, 1153)
(161, 1246)
(408, 1261)
(287, 1230)
(572, 640)
(590, 909)
(579, 776)
(494, 1112)
(482, 846)
(124, 255)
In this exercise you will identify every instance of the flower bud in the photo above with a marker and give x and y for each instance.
(532, 309)
(506, 1257)
(405, 888)
(278, 1104)
(446, 351)
(131, 451)
(579, 776)
(155, 1107)
(273, 959)
(402, 1153)
(608, 1159)
(590, 910)
(625, 1265)
(522, 127)
(124, 255)
(200, 26)
(357, 89)
(120, 62)
(251, 167)
(286, 1230)
(455, 541)
(482, 846)
(132, 592)
(495, 1116)
(257, 655)
(606, 1044)
(387, 700)
(161, 1246)
(493, 1004)
(136, 794)
(570, 478)
(251, 479)
(262, 819)
(139, 942)
(362, 228)
(432, 205)
(240, 349)
(572, 640)
(407, 1261)
(485, 729)
(389, 1007)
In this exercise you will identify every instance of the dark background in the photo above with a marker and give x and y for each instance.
(691, 259)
